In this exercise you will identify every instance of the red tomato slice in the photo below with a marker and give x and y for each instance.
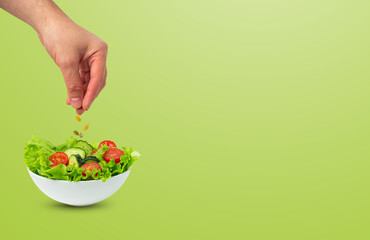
(110, 144)
(93, 152)
(113, 153)
(90, 167)
(58, 158)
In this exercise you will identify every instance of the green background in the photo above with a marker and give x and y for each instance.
(252, 118)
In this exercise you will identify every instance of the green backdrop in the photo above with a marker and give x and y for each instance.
(252, 118)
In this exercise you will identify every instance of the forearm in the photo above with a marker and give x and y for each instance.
(37, 13)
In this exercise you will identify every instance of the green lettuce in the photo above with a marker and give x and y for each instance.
(129, 157)
(38, 152)
(100, 152)
(58, 172)
(70, 142)
(95, 145)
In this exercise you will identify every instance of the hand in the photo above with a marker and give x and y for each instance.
(81, 56)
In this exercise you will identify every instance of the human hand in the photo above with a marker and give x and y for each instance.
(81, 56)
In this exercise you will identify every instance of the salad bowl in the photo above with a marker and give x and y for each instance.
(81, 193)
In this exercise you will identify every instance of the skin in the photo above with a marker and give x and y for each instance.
(80, 55)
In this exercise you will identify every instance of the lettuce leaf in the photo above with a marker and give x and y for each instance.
(74, 174)
(38, 152)
(70, 142)
(112, 169)
(58, 172)
(129, 157)
(94, 144)
(100, 153)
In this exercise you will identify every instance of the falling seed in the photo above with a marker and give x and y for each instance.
(81, 135)
(76, 132)
(86, 127)
(78, 118)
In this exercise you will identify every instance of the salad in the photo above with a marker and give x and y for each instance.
(78, 160)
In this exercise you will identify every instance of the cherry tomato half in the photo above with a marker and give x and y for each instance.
(58, 158)
(90, 167)
(110, 144)
(113, 153)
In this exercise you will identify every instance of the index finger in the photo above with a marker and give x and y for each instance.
(97, 78)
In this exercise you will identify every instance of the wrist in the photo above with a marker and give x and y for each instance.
(47, 16)
(53, 25)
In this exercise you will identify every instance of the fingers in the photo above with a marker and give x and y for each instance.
(97, 79)
(84, 67)
(84, 78)
(103, 84)
(74, 86)
(86, 82)
(80, 111)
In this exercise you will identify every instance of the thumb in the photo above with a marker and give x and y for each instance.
(74, 86)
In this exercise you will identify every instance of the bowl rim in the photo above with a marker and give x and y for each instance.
(85, 181)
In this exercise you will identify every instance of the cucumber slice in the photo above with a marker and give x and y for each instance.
(75, 151)
(79, 160)
(73, 161)
(85, 146)
(90, 159)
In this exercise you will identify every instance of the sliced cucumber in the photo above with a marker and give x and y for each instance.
(85, 146)
(73, 161)
(79, 160)
(90, 159)
(75, 151)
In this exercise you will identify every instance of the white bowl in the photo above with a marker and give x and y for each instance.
(82, 193)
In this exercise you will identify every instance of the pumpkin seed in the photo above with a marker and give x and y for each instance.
(76, 132)
(78, 118)
(86, 127)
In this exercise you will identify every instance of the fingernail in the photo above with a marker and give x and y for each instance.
(76, 102)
